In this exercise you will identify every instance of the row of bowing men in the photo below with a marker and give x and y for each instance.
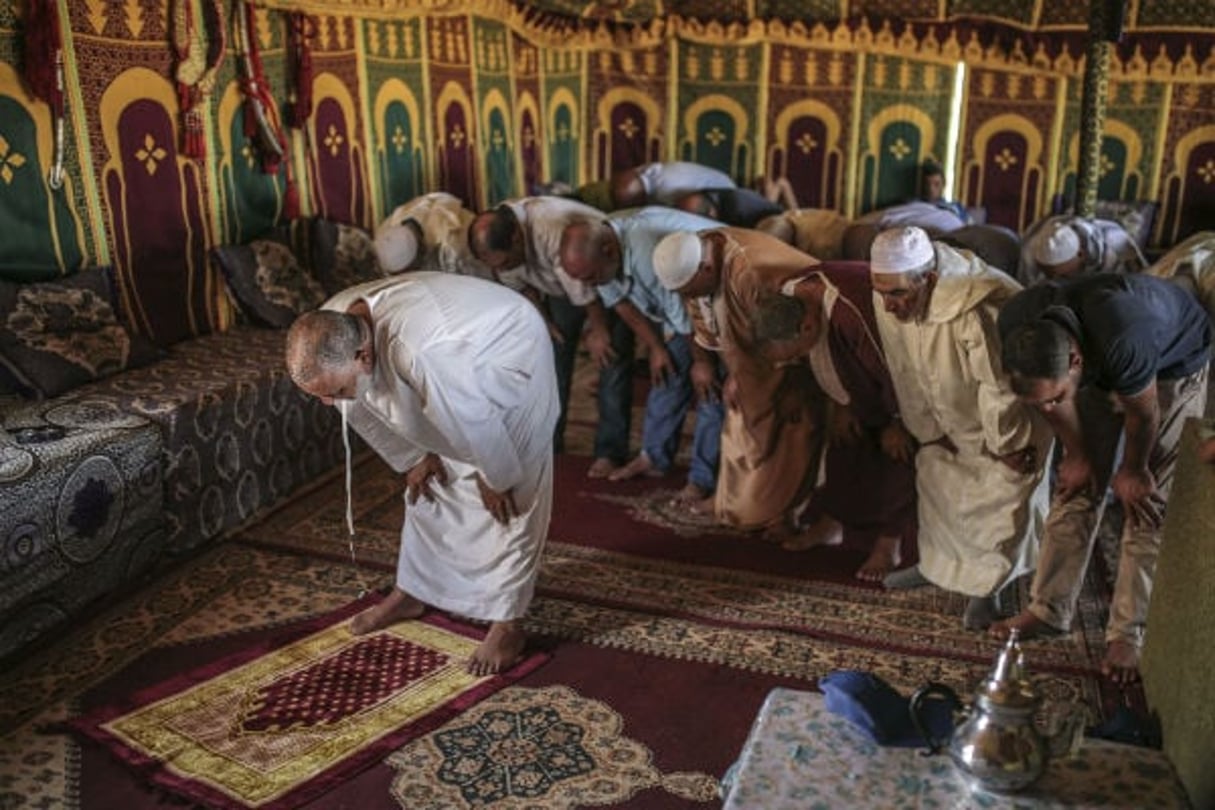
(967, 392)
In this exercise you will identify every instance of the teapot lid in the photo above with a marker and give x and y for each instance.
(1007, 685)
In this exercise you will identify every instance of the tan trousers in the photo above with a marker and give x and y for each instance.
(1070, 531)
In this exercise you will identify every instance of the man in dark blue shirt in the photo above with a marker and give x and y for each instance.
(1101, 356)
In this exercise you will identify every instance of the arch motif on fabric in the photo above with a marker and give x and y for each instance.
(1005, 173)
(716, 134)
(398, 119)
(1120, 175)
(807, 152)
(897, 137)
(41, 225)
(154, 199)
(335, 164)
(455, 120)
(564, 137)
(530, 136)
(499, 149)
(626, 127)
(253, 200)
(1189, 198)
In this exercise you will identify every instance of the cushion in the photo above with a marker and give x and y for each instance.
(878, 711)
(343, 256)
(1136, 218)
(57, 335)
(267, 282)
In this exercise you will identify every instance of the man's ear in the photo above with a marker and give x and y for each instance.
(364, 355)
(1075, 360)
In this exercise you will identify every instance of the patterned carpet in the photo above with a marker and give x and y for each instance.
(664, 639)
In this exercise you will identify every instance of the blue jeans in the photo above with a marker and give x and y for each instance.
(665, 410)
(615, 381)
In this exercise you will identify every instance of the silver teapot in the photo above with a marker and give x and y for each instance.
(998, 747)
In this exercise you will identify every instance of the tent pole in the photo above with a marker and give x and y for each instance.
(1105, 17)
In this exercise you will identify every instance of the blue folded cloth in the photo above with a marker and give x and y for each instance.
(878, 710)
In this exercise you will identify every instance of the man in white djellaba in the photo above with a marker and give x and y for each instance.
(450, 379)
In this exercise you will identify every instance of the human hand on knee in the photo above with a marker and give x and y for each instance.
(420, 475)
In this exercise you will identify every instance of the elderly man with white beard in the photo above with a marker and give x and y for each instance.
(979, 452)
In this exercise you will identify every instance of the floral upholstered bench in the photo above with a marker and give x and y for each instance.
(127, 454)
(81, 496)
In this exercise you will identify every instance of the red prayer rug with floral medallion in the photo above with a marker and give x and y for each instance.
(275, 728)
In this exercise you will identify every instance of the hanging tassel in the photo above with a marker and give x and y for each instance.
(302, 30)
(291, 199)
(43, 37)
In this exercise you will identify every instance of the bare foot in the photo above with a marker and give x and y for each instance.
(502, 647)
(1121, 664)
(884, 558)
(641, 465)
(905, 579)
(690, 495)
(397, 606)
(825, 531)
(980, 612)
(1029, 625)
(778, 533)
(600, 468)
(705, 506)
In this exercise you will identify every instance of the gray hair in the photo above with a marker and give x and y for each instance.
(321, 341)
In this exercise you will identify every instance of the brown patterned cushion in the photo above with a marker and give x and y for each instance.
(343, 255)
(57, 335)
(267, 281)
(1136, 218)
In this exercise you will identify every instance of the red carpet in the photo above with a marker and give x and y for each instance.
(613, 545)
(664, 639)
(280, 722)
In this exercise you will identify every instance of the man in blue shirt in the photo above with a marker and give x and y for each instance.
(1101, 356)
(617, 256)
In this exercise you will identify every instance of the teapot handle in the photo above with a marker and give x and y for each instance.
(916, 710)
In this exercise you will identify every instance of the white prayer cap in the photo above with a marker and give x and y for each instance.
(396, 246)
(677, 258)
(1056, 243)
(900, 250)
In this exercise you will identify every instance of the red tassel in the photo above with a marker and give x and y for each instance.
(291, 200)
(301, 31)
(43, 39)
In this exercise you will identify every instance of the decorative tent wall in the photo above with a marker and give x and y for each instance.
(483, 99)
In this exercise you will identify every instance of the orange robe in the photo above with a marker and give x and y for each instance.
(771, 443)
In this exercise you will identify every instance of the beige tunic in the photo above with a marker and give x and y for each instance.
(1194, 258)
(770, 445)
(979, 521)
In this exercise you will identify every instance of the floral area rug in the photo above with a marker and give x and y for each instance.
(275, 728)
(798, 614)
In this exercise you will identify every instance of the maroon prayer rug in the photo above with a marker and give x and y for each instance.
(602, 554)
(274, 728)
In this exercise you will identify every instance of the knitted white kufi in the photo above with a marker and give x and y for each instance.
(677, 258)
(396, 247)
(900, 250)
(1055, 244)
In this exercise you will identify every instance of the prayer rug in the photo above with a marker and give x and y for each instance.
(275, 728)
(804, 610)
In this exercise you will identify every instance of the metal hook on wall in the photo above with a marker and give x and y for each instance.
(54, 177)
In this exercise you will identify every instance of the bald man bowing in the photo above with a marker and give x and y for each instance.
(451, 380)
